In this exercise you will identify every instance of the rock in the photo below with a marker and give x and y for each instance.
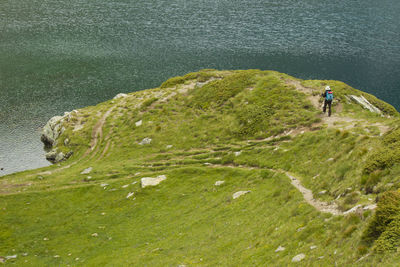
(370, 207)
(95, 234)
(60, 157)
(145, 141)
(54, 156)
(301, 229)
(237, 153)
(51, 131)
(313, 247)
(45, 239)
(354, 209)
(130, 194)
(87, 170)
(218, 183)
(103, 185)
(149, 181)
(322, 192)
(239, 194)
(280, 249)
(366, 104)
(125, 186)
(2, 260)
(169, 146)
(138, 123)
(298, 258)
(330, 159)
(120, 95)
(66, 142)
(56, 256)
(11, 257)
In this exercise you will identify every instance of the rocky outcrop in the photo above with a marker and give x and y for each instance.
(51, 132)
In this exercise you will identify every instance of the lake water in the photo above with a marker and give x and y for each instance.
(57, 56)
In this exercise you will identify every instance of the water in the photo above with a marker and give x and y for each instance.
(56, 56)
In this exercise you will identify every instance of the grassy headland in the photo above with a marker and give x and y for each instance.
(246, 128)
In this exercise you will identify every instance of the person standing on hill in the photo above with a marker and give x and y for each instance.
(328, 95)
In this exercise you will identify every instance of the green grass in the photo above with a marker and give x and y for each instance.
(187, 219)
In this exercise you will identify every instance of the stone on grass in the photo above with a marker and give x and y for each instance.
(239, 194)
(298, 258)
(130, 194)
(149, 181)
(169, 146)
(87, 170)
(95, 234)
(138, 123)
(145, 141)
(125, 186)
(11, 257)
(237, 153)
(2, 260)
(103, 185)
(218, 183)
(120, 95)
(313, 247)
(280, 249)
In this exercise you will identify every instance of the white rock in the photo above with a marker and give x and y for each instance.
(366, 104)
(237, 153)
(87, 171)
(45, 239)
(313, 247)
(95, 234)
(120, 95)
(145, 141)
(149, 181)
(138, 123)
(354, 209)
(330, 159)
(239, 194)
(218, 183)
(56, 256)
(207, 163)
(11, 257)
(125, 186)
(169, 146)
(298, 258)
(130, 194)
(280, 249)
(322, 192)
(103, 185)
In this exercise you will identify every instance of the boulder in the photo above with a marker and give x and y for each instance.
(218, 183)
(149, 181)
(239, 194)
(87, 170)
(120, 95)
(298, 258)
(145, 141)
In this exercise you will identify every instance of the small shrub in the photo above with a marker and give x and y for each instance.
(388, 208)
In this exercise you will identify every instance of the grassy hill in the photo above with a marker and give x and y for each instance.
(251, 129)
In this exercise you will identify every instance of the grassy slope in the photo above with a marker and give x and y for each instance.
(186, 219)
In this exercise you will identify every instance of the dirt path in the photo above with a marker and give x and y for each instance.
(309, 198)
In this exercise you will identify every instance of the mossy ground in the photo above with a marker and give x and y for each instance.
(196, 123)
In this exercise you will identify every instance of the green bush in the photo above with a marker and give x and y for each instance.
(390, 239)
(388, 209)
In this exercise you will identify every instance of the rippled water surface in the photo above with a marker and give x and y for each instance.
(56, 56)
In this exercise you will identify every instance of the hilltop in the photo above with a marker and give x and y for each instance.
(246, 170)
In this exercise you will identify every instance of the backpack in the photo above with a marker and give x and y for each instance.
(329, 96)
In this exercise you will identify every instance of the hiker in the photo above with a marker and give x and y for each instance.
(328, 95)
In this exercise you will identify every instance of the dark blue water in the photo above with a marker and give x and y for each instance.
(56, 56)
